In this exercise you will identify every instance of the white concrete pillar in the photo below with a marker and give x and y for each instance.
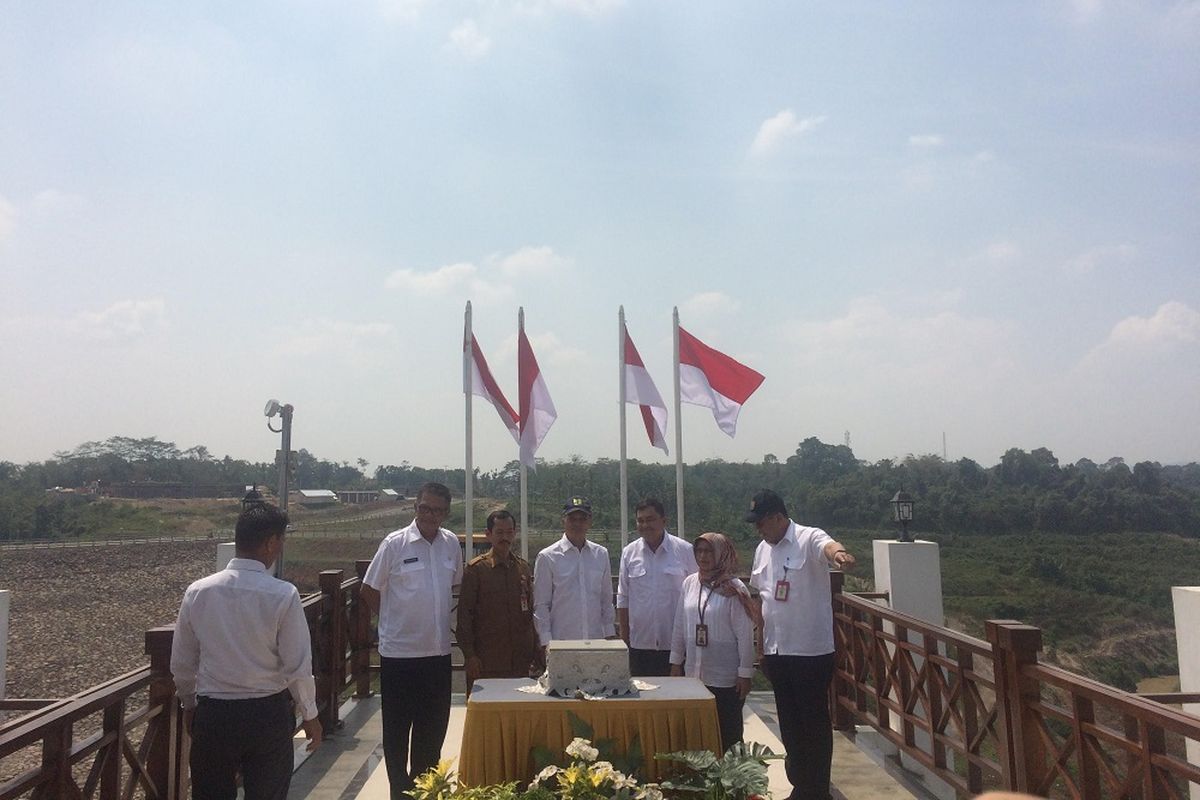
(911, 574)
(4, 598)
(225, 552)
(1186, 600)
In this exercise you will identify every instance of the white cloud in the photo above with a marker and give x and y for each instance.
(926, 140)
(437, 281)
(125, 319)
(1172, 323)
(783, 126)
(461, 279)
(1089, 260)
(52, 202)
(468, 41)
(549, 349)
(8, 218)
(709, 303)
(325, 336)
(998, 253)
(400, 11)
(585, 8)
(529, 261)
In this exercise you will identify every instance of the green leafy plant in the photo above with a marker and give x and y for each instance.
(630, 762)
(740, 774)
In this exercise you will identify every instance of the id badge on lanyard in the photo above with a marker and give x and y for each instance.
(782, 586)
(702, 606)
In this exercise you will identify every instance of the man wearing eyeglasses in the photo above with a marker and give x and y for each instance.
(409, 584)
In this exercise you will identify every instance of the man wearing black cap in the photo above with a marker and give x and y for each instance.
(791, 573)
(572, 582)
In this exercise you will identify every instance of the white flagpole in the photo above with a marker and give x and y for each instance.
(621, 402)
(469, 472)
(523, 472)
(678, 435)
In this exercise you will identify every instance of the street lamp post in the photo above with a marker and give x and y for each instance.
(284, 411)
(902, 512)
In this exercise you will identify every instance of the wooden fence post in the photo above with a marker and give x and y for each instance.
(361, 623)
(1015, 646)
(167, 753)
(842, 719)
(333, 610)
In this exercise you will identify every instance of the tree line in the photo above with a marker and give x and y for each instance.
(824, 484)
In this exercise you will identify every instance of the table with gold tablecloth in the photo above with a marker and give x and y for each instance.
(503, 725)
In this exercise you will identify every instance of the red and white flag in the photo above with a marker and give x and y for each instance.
(641, 391)
(712, 379)
(484, 385)
(537, 412)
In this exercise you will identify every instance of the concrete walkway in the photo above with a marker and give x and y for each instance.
(349, 764)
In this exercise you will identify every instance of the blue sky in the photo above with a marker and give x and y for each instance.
(977, 219)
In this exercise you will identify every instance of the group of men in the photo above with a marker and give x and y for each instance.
(507, 615)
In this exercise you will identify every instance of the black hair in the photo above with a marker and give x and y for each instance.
(435, 489)
(651, 502)
(258, 523)
(500, 513)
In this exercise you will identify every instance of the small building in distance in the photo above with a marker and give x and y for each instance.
(316, 498)
(390, 494)
(357, 496)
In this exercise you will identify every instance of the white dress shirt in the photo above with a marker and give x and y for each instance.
(572, 592)
(241, 633)
(729, 654)
(415, 579)
(803, 624)
(648, 584)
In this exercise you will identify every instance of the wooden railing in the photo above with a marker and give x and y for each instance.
(124, 739)
(987, 715)
(979, 714)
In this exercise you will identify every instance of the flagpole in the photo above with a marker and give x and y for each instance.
(678, 434)
(621, 403)
(469, 471)
(523, 473)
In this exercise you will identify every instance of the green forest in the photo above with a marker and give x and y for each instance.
(1024, 493)
(1087, 551)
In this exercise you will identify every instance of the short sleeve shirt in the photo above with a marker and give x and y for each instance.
(802, 625)
(415, 578)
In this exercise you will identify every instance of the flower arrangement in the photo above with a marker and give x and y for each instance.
(585, 778)
(740, 774)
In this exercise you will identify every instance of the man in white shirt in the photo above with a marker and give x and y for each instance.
(572, 582)
(652, 569)
(241, 656)
(409, 584)
(791, 574)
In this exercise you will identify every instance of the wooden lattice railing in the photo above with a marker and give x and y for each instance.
(985, 714)
(977, 713)
(124, 739)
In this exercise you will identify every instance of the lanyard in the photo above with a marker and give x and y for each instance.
(702, 601)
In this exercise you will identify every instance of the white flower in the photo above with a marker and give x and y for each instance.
(650, 793)
(545, 774)
(582, 749)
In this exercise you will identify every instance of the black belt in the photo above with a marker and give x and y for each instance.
(265, 700)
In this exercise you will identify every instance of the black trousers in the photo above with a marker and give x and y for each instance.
(729, 714)
(801, 685)
(415, 695)
(253, 737)
(649, 663)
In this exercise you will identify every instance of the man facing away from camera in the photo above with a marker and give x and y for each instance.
(242, 662)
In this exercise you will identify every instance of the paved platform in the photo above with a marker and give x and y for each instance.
(349, 764)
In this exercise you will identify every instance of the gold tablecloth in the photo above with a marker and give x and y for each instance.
(503, 725)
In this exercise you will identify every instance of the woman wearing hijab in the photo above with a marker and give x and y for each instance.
(713, 637)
